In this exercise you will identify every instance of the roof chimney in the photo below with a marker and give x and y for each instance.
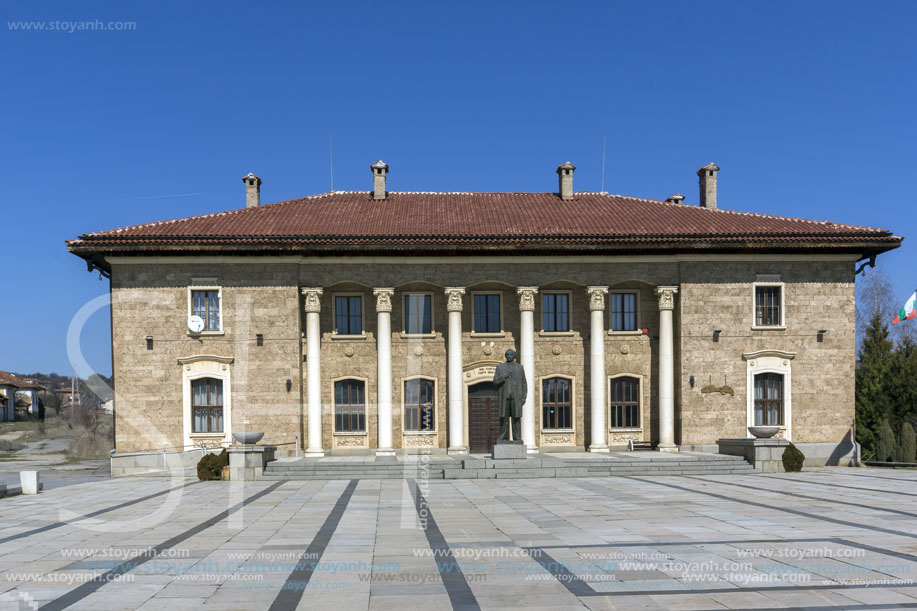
(380, 169)
(707, 182)
(675, 198)
(252, 190)
(565, 180)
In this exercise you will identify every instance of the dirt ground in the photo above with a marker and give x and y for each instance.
(63, 451)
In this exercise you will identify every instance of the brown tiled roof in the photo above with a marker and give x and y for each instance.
(9, 379)
(351, 222)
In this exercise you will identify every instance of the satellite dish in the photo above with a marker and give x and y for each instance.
(195, 324)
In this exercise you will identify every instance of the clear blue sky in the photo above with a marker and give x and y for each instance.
(808, 108)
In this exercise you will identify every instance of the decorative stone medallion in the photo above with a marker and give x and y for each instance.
(624, 349)
(418, 351)
(555, 350)
(348, 351)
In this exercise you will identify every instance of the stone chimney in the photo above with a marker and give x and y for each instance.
(252, 190)
(380, 169)
(675, 198)
(565, 180)
(707, 175)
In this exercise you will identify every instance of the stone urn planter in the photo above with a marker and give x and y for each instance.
(248, 438)
(763, 432)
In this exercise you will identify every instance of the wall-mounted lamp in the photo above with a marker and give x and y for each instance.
(691, 381)
(289, 384)
(259, 338)
(149, 342)
(716, 334)
(821, 335)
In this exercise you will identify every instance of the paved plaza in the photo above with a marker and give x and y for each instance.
(831, 537)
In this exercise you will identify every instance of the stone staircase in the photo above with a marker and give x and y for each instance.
(483, 467)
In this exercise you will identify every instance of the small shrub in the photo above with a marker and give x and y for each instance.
(907, 444)
(886, 448)
(209, 467)
(793, 459)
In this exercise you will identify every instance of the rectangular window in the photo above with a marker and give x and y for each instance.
(768, 399)
(487, 313)
(418, 405)
(555, 311)
(348, 314)
(418, 314)
(624, 311)
(206, 304)
(625, 403)
(349, 407)
(767, 306)
(207, 406)
(556, 404)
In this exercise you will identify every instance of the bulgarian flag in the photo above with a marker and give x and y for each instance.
(908, 311)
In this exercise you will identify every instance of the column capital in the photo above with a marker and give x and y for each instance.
(666, 297)
(527, 298)
(454, 298)
(596, 297)
(313, 298)
(384, 299)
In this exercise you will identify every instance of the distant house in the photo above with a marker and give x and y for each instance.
(18, 398)
(65, 396)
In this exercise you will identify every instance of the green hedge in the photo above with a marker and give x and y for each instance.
(793, 459)
(210, 466)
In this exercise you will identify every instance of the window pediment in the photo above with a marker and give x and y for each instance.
(780, 354)
(213, 358)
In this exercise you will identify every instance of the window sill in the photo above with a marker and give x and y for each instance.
(625, 430)
(553, 431)
(412, 433)
(634, 333)
(341, 337)
(207, 435)
(488, 334)
(418, 336)
(206, 334)
(768, 328)
(556, 333)
(349, 433)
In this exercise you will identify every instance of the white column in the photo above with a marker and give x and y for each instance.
(666, 370)
(455, 390)
(384, 369)
(312, 298)
(527, 357)
(598, 441)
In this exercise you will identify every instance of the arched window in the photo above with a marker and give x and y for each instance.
(556, 404)
(207, 405)
(625, 403)
(768, 399)
(419, 402)
(349, 406)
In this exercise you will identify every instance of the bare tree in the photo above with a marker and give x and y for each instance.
(875, 294)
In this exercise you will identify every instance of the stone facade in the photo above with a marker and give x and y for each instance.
(262, 295)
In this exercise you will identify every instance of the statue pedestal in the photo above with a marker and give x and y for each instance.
(509, 450)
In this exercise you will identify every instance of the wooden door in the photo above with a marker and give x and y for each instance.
(483, 418)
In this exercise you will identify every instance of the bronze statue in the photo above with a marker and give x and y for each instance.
(511, 390)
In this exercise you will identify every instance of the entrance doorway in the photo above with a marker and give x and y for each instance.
(483, 418)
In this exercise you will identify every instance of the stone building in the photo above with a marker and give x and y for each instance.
(372, 321)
